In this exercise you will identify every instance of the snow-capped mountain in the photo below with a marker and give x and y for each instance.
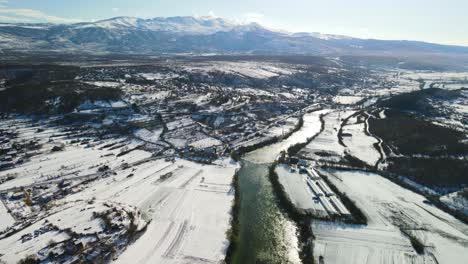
(171, 35)
(187, 25)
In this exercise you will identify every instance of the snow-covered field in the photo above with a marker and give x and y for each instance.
(295, 186)
(443, 80)
(206, 143)
(158, 76)
(359, 144)
(188, 210)
(185, 203)
(309, 193)
(327, 141)
(248, 69)
(147, 135)
(349, 244)
(389, 208)
(347, 100)
(73, 162)
(6, 220)
(90, 105)
(435, 76)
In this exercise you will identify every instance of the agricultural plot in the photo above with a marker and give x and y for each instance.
(359, 144)
(444, 80)
(85, 198)
(247, 69)
(128, 164)
(188, 207)
(393, 214)
(6, 219)
(343, 243)
(309, 193)
(347, 99)
(299, 193)
(326, 145)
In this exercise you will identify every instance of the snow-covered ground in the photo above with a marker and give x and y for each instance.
(456, 201)
(6, 220)
(184, 202)
(247, 69)
(435, 76)
(359, 144)
(158, 76)
(206, 143)
(296, 188)
(350, 244)
(90, 105)
(389, 208)
(309, 193)
(73, 162)
(14, 249)
(283, 128)
(327, 141)
(66, 222)
(147, 135)
(347, 100)
(188, 209)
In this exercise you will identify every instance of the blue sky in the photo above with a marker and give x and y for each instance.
(440, 21)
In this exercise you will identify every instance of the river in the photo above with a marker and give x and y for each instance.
(266, 234)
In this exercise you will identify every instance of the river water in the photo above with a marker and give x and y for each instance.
(266, 234)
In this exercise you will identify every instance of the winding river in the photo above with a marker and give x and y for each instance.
(266, 234)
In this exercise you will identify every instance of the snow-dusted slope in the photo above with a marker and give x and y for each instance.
(187, 25)
(193, 35)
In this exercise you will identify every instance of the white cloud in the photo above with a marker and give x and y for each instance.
(31, 16)
(212, 14)
(10, 19)
(115, 9)
(253, 18)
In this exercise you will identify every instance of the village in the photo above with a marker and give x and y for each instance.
(139, 163)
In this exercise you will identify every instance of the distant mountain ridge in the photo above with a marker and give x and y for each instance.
(196, 35)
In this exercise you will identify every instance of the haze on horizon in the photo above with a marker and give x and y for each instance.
(436, 21)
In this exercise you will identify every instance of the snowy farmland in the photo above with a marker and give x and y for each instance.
(390, 209)
(100, 193)
(186, 208)
(347, 100)
(326, 145)
(358, 142)
(6, 220)
(309, 193)
(184, 202)
(129, 162)
(247, 69)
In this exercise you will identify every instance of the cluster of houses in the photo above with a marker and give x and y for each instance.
(12, 153)
(36, 233)
(203, 155)
(7, 153)
(39, 195)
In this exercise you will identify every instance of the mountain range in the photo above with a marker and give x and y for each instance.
(195, 35)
